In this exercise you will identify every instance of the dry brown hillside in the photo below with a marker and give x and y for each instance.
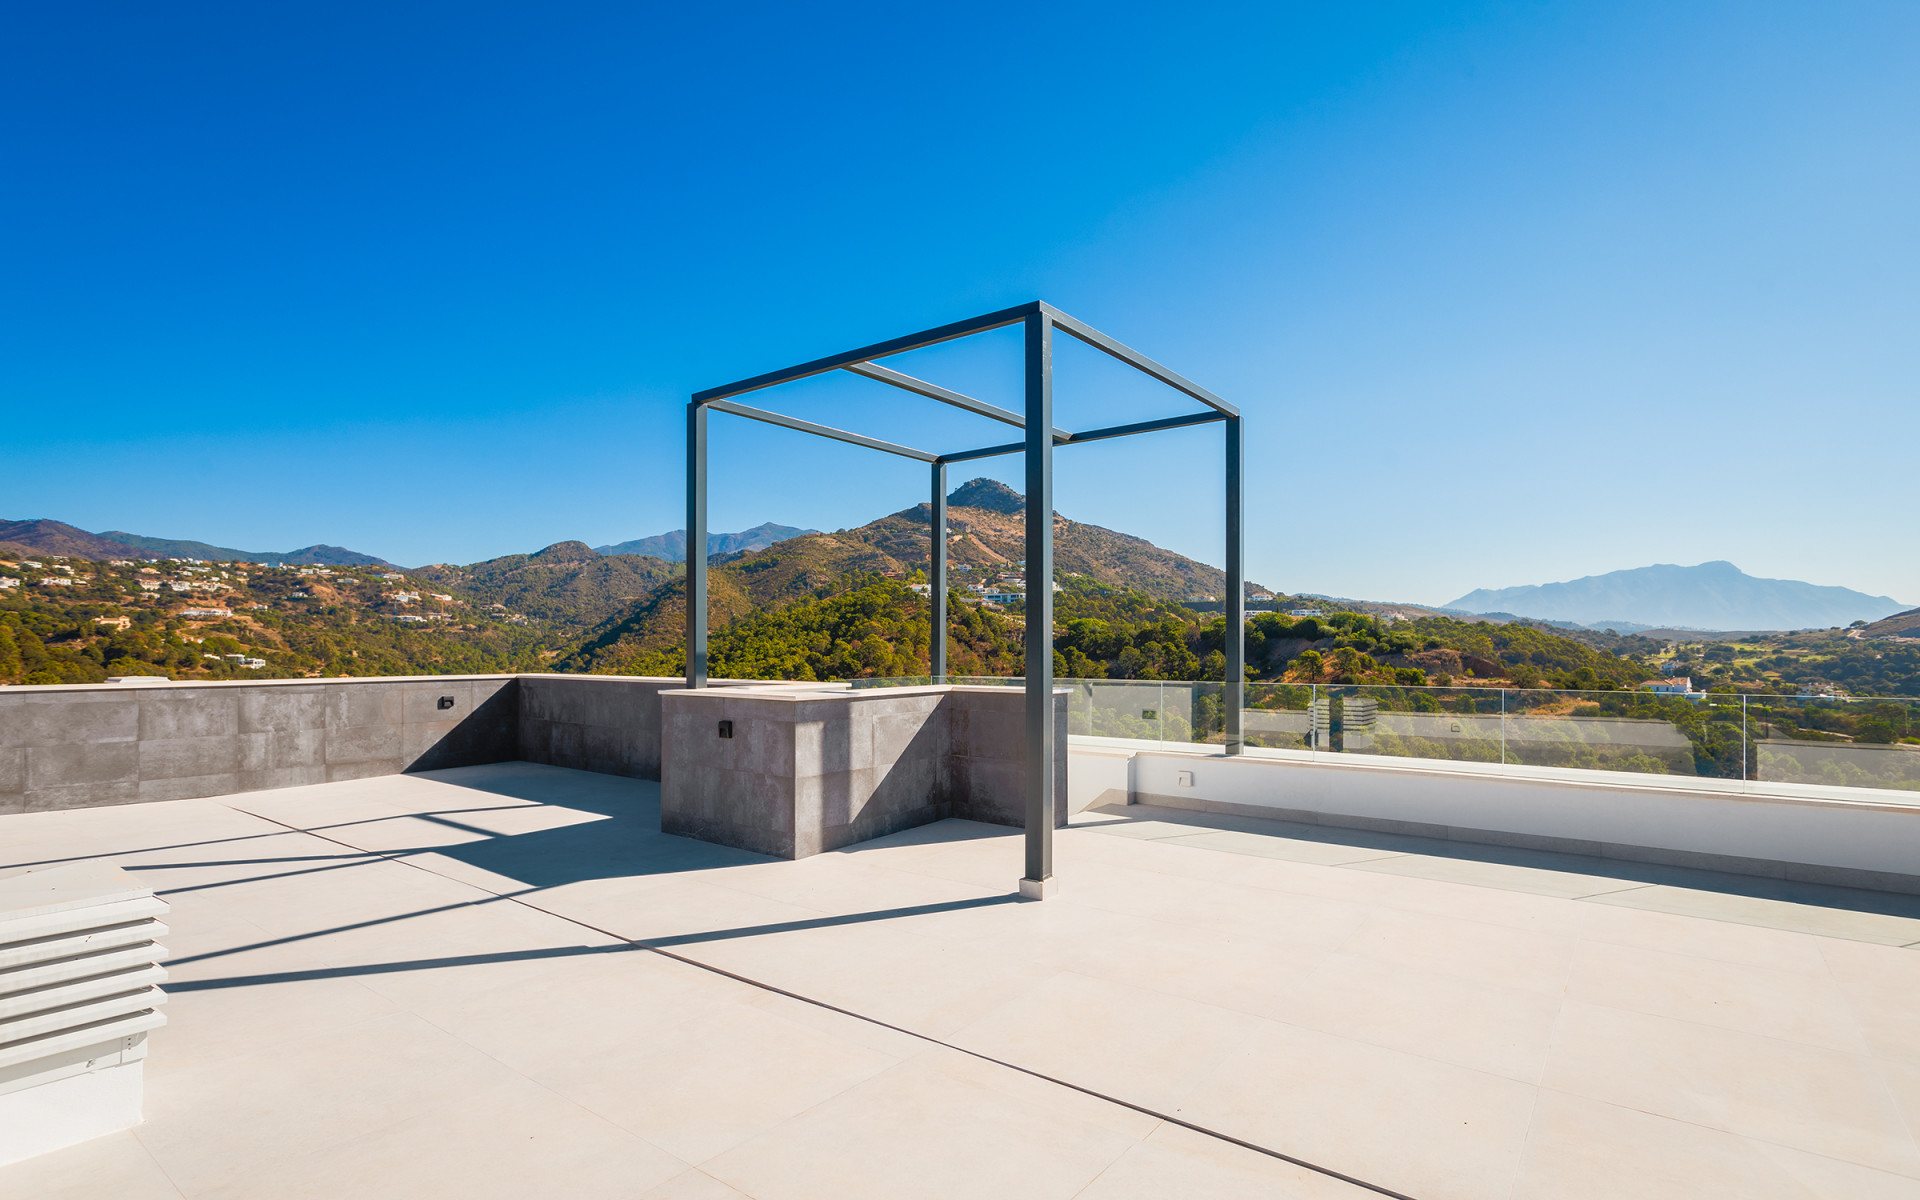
(986, 527)
(1901, 624)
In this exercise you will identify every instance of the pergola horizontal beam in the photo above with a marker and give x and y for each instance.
(1093, 435)
(826, 431)
(1114, 431)
(913, 341)
(934, 391)
(983, 452)
(1133, 358)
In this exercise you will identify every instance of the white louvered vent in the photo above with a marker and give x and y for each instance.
(79, 991)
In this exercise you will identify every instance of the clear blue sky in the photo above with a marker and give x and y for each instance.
(1509, 293)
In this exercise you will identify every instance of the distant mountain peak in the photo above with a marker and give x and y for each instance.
(566, 552)
(988, 494)
(42, 535)
(672, 545)
(1708, 596)
(45, 536)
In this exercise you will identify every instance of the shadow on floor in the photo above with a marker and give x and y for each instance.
(620, 838)
(662, 942)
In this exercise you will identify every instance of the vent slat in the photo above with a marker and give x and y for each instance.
(78, 991)
(80, 966)
(73, 1016)
(82, 941)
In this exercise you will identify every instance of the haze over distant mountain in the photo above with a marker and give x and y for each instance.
(1713, 595)
(672, 546)
(44, 536)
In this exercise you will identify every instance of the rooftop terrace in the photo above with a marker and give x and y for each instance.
(505, 980)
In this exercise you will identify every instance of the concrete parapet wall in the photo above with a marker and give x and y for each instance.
(807, 770)
(810, 768)
(78, 746)
(1870, 839)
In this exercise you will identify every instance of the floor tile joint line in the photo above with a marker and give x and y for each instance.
(1329, 1172)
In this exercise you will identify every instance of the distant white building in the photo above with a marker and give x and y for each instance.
(441, 597)
(1201, 598)
(206, 612)
(8, 581)
(1671, 685)
(409, 617)
(56, 581)
(1306, 612)
(391, 575)
(1259, 595)
(924, 589)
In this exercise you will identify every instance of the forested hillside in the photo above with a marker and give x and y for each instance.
(865, 626)
(569, 584)
(76, 621)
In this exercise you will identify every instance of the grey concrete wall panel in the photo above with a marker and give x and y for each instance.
(75, 747)
(604, 723)
(989, 753)
(609, 724)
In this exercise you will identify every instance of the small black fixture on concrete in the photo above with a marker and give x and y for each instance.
(726, 729)
(446, 702)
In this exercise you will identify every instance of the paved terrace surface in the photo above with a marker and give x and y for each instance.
(429, 985)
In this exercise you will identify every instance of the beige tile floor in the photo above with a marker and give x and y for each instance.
(429, 986)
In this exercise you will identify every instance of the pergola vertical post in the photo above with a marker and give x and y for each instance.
(937, 574)
(1039, 572)
(1233, 689)
(696, 545)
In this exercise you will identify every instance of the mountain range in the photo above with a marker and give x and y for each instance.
(1710, 596)
(775, 563)
(672, 546)
(43, 536)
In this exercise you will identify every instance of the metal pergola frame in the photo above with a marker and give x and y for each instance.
(1040, 436)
